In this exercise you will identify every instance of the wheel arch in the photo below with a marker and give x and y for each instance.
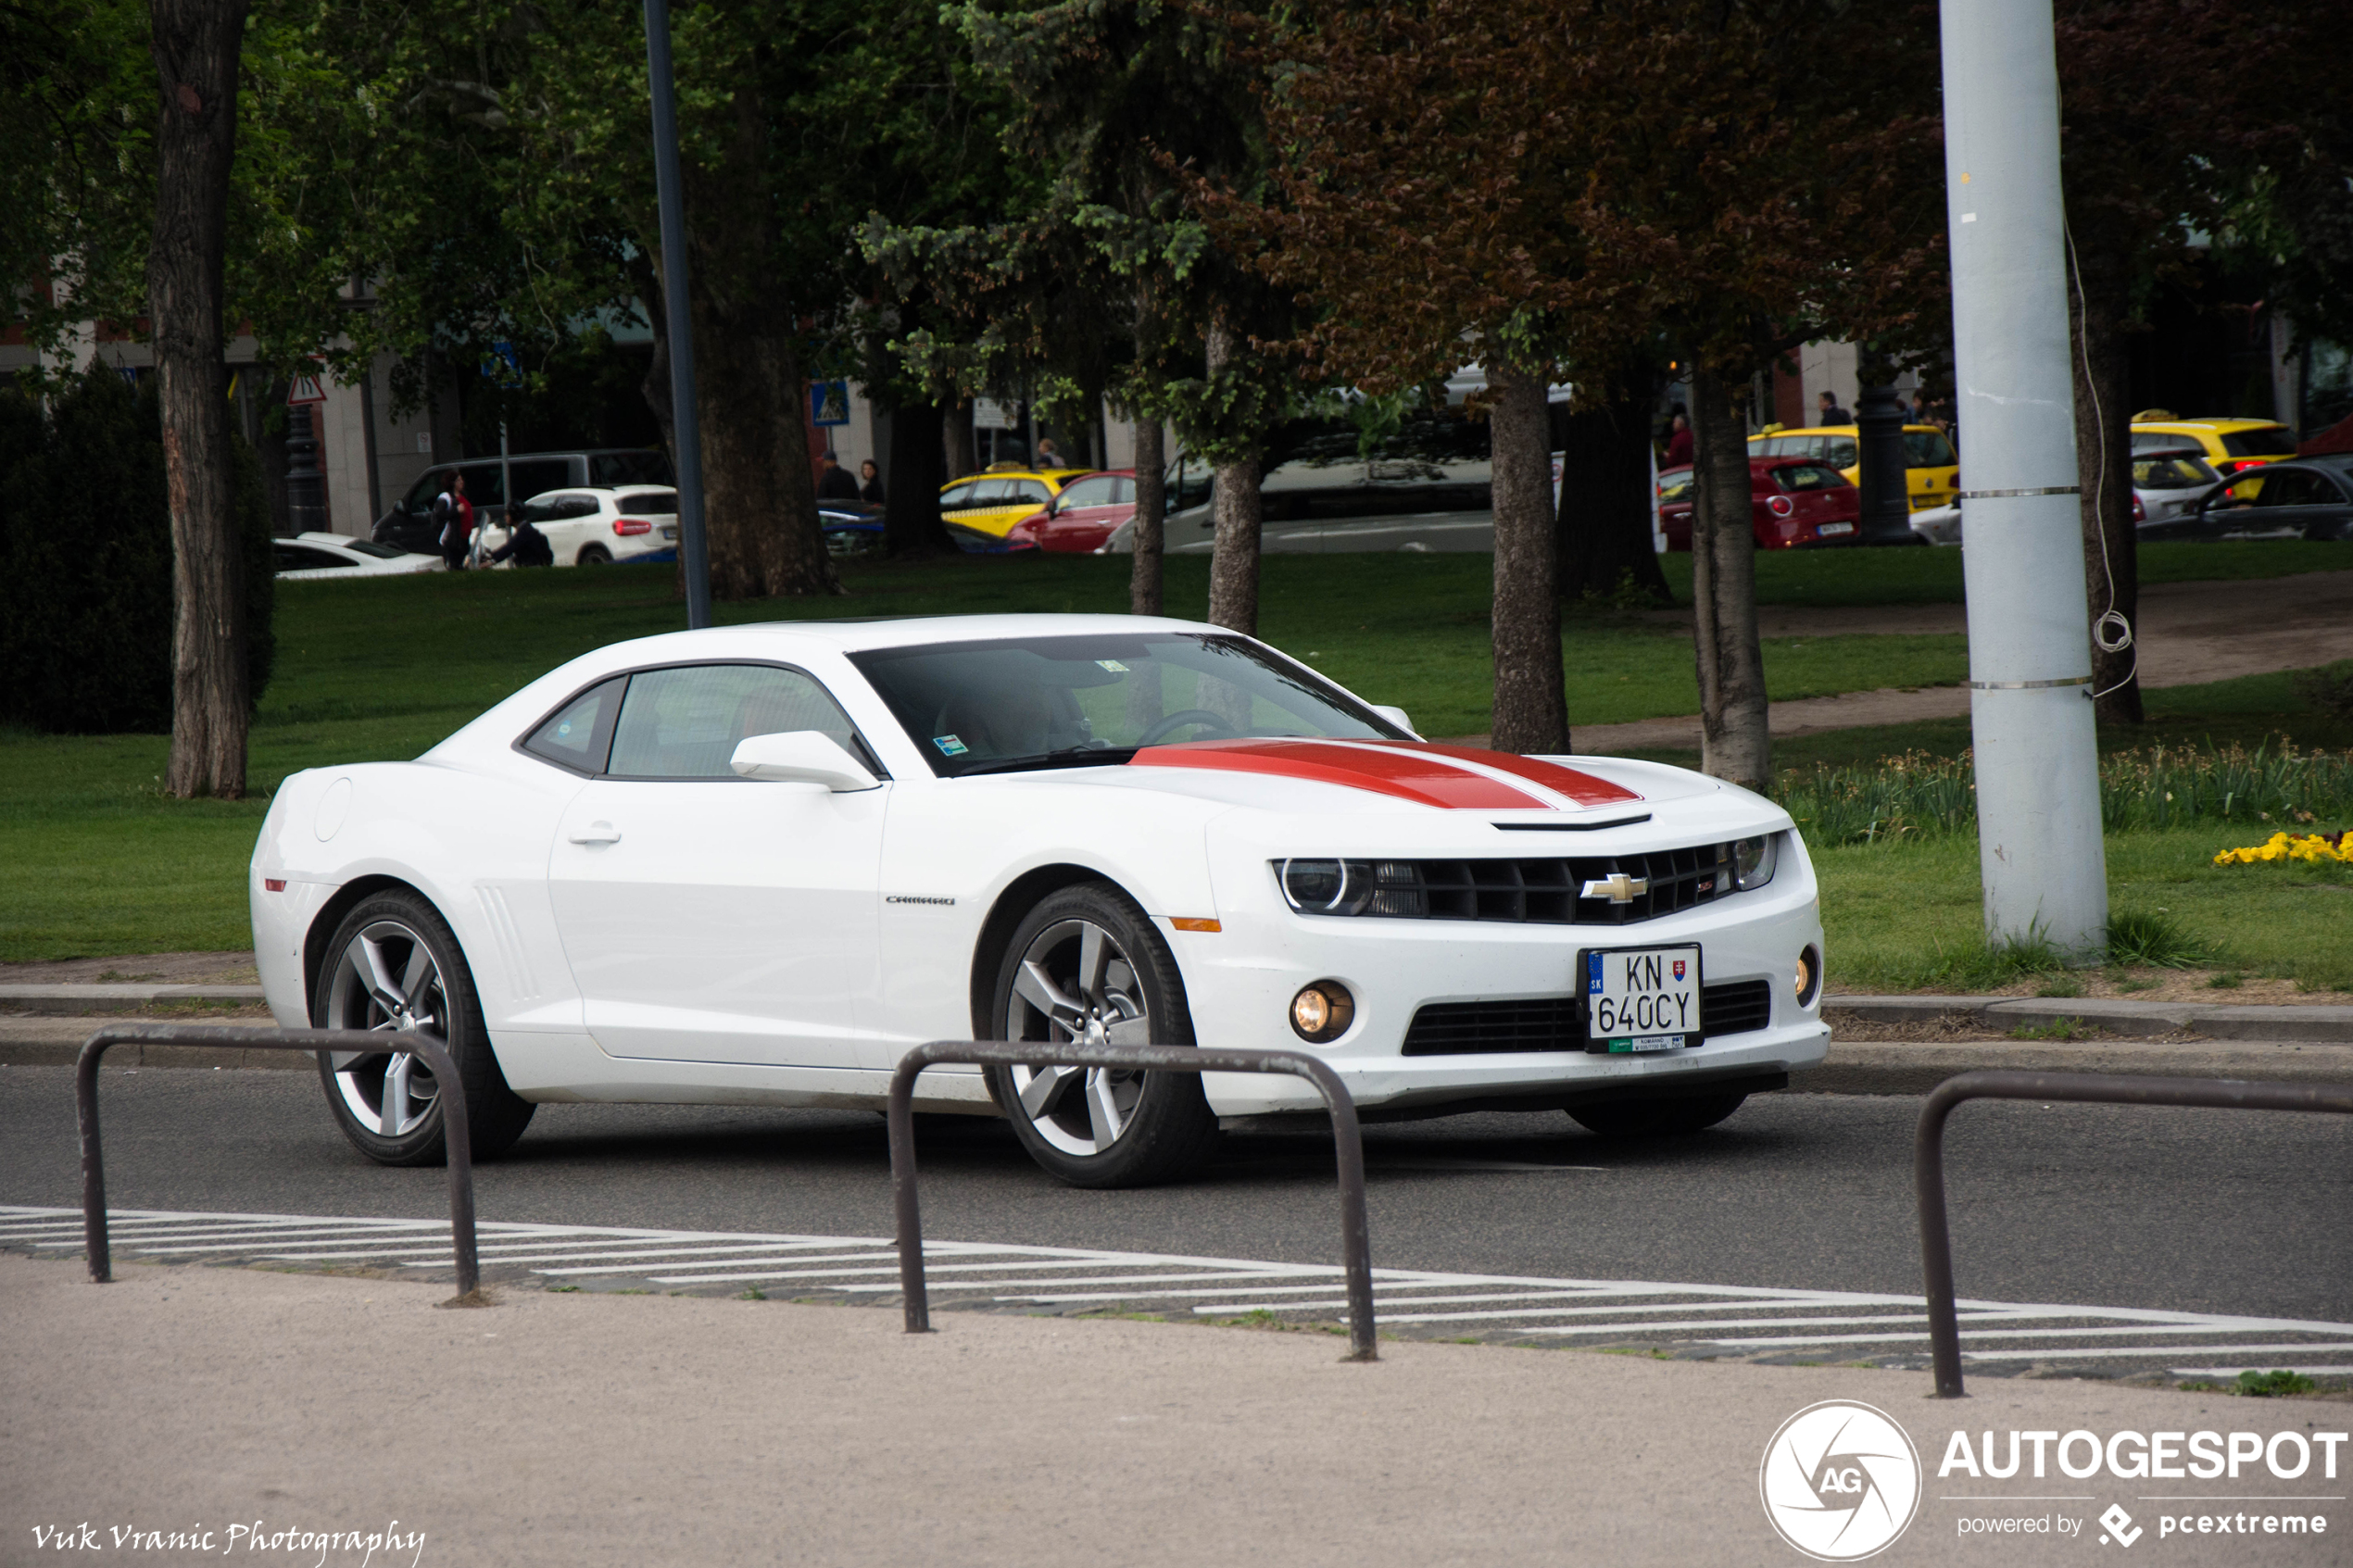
(1015, 901)
(330, 916)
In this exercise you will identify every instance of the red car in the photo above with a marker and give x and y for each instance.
(1796, 504)
(1081, 517)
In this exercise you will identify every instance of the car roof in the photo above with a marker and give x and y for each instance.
(858, 635)
(1055, 477)
(1759, 465)
(1828, 429)
(341, 541)
(2218, 426)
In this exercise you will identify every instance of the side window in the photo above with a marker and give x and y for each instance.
(1096, 492)
(420, 495)
(683, 723)
(1034, 492)
(575, 505)
(957, 495)
(2292, 489)
(539, 510)
(297, 557)
(543, 473)
(1676, 487)
(1839, 451)
(617, 469)
(482, 484)
(581, 733)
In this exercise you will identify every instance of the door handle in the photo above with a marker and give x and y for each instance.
(597, 832)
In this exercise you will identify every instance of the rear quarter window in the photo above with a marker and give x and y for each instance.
(579, 734)
(2272, 443)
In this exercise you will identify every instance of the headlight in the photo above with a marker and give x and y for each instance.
(1753, 861)
(1352, 887)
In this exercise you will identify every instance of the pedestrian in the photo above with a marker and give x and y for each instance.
(1919, 412)
(835, 483)
(1832, 413)
(1679, 442)
(1050, 457)
(526, 546)
(456, 515)
(873, 489)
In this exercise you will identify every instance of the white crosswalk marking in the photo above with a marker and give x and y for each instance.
(1687, 1319)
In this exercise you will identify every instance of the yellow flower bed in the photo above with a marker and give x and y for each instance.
(2317, 848)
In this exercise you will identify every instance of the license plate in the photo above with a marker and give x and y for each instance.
(1641, 1000)
(1829, 528)
(670, 531)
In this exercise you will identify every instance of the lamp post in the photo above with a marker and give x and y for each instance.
(2038, 798)
(694, 546)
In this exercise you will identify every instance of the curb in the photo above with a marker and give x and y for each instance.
(2325, 1023)
(84, 999)
(1872, 1067)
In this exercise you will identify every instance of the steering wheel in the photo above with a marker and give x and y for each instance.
(1183, 717)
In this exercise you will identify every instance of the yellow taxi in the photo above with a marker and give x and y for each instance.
(999, 496)
(2228, 444)
(1931, 468)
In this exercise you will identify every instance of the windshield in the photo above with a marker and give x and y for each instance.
(1042, 702)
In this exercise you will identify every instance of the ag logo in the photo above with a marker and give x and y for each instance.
(1840, 1481)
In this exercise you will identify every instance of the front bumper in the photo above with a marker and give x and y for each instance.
(1239, 981)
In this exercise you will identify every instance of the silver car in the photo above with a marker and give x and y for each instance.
(2168, 483)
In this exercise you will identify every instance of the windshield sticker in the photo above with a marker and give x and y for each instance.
(949, 745)
(1113, 665)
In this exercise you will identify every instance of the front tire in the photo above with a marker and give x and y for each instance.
(394, 966)
(1086, 965)
(1655, 1118)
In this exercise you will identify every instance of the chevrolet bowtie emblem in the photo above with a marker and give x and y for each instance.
(1619, 888)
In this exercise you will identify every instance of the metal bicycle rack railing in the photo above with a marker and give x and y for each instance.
(436, 1055)
(1347, 1141)
(2089, 1088)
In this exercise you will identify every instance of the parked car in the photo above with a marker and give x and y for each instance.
(1082, 515)
(1938, 525)
(2310, 497)
(855, 527)
(409, 523)
(1793, 504)
(598, 526)
(990, 502)
(340, 555)
(757, 864)
(2228, 444)
(2168, 483)
(1931, 468)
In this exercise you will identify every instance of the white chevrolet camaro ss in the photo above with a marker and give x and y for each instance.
(756, 865)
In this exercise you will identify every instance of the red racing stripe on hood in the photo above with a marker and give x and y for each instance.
(1583, 788)
(1409, 773)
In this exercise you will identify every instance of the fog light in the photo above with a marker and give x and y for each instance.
(1322, 1012)
(1809, 976)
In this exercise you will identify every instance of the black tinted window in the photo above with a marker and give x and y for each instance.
(650, 502)
(483, 487)
(302, 557)
(616, 469)
(541, 474)
(579, 735)
(2273, 443)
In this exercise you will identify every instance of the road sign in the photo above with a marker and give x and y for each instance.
(992, 413)
(306, 389)
(829, 402)
(502, 365)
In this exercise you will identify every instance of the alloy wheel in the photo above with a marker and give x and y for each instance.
(386, 980)
(1077, 986)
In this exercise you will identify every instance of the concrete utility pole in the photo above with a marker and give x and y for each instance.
(2038, 798)
(694, 544)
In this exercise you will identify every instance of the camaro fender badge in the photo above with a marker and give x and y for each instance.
(915, 898)
(1617, 888)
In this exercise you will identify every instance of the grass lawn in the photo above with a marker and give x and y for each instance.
(95, 861)
(1905, 916)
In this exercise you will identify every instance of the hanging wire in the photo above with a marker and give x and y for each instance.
(2110, 630)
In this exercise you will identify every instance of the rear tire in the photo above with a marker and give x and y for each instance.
(393, 966)
(1655, 1118)
(594, 555)
(1086, 964)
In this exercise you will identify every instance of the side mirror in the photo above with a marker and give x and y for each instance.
(1397, 717)
(802, 757)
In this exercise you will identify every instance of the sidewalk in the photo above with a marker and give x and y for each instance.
(589, 1429)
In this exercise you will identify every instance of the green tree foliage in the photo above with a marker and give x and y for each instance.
(85, 562)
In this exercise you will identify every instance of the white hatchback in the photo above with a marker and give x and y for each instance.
(594, 526)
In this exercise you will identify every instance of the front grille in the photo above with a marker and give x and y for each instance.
(1551, 892)
(1557, 1023)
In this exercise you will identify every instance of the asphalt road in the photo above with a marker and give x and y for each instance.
(2195, 1210)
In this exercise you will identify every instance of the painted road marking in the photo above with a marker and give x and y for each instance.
(1682, 1319)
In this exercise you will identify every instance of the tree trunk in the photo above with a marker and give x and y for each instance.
(2104, 464)
(760, 496)
(1233, 567)
(911, 525)
(956, 440)
(1145, 572)
(1604, 526)
(196, 46)
(1531, 713)
(1735, 735)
